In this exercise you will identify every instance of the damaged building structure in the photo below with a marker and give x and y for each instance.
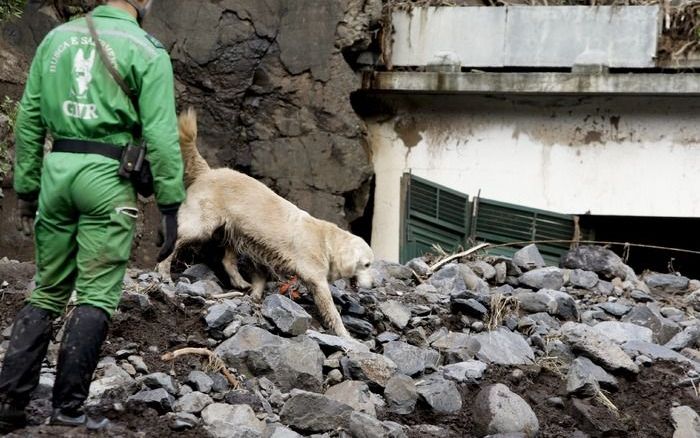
(533, 123)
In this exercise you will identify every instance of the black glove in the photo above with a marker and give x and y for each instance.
(167, 235)
(27, 206)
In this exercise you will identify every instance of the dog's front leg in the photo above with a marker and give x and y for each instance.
(163, 268)
(324, 302)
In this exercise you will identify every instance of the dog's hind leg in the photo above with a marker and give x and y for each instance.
(230, 262)
(324, 303)
(258, 286)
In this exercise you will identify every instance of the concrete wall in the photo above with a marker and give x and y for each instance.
(603, 155)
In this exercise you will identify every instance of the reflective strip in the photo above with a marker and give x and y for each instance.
(132, 212)
(110, 32)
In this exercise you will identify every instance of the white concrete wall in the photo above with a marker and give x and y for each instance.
(605, 156)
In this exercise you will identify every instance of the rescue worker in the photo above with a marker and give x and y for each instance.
(85, 212)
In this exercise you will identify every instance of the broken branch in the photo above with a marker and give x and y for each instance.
(215, 361)
(458, 255)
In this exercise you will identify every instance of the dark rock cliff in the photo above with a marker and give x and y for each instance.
(271, 84)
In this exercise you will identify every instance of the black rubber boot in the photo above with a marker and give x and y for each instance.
(31, 334)
(85, 332)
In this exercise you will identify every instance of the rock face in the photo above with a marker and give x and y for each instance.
(272, 93)
(290, 364)
(501, 411)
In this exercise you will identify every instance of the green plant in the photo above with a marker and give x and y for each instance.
(11, 9)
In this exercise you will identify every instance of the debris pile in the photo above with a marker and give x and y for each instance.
(485, 346)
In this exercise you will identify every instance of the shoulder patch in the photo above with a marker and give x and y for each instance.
(154, 41)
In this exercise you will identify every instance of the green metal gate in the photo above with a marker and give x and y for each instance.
(435, 215)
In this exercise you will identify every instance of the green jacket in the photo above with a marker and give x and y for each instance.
(71, 95)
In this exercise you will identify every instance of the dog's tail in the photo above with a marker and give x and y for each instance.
(195, 165)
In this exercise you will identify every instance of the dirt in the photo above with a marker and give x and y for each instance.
(644, 401)
(644, 404)
(165, 326)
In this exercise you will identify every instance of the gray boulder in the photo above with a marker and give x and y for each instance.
(693, 300)
(504, 347)
(202, 288)
(462, 372)
(583, 279)
(549, 277)
(615, 309)
(410, 360)
(585, 378)
(686, 422)
(200, 381)
(279, 431)
(499, 410)
(311, 412)
(288, 316)
(597, 347)
(192, 403)
(668, 283)
(482, 269)
(455, 346)
(159, 380)
(528, 258)
(648, 315)
(622, 332)
(223, 421)
(689, 337)
(441, 395)
(400, 394)
(198, 272)
(657, 352)
(220, 315)
(372, 368)
(397, 313)
(289, 363)
(456, 278)
(354, 394)
(597, 259)
(365, 426)
(157, 399)
(419, 266)
(111, 379)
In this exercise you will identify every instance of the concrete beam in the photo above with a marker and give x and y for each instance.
(686, 84)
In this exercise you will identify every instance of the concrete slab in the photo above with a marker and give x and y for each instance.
(475, 35)
(680, 84)
(562, 36)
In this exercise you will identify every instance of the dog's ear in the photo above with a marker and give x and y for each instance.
(345, 261)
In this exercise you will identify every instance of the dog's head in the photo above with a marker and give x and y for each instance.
(353, 258)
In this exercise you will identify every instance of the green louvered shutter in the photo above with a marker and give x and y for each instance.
(498, 222)
(433, 215)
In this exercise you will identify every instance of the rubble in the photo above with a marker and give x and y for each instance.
(439, 355)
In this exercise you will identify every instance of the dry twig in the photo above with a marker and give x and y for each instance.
(215, 362)
(228, 295)
(500, 305)
(458, 255)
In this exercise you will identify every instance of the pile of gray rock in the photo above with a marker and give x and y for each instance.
(422, 338)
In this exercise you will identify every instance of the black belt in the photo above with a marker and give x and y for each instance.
(88, 147)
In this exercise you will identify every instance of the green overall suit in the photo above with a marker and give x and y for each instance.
(85, 222)
(86, 212)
